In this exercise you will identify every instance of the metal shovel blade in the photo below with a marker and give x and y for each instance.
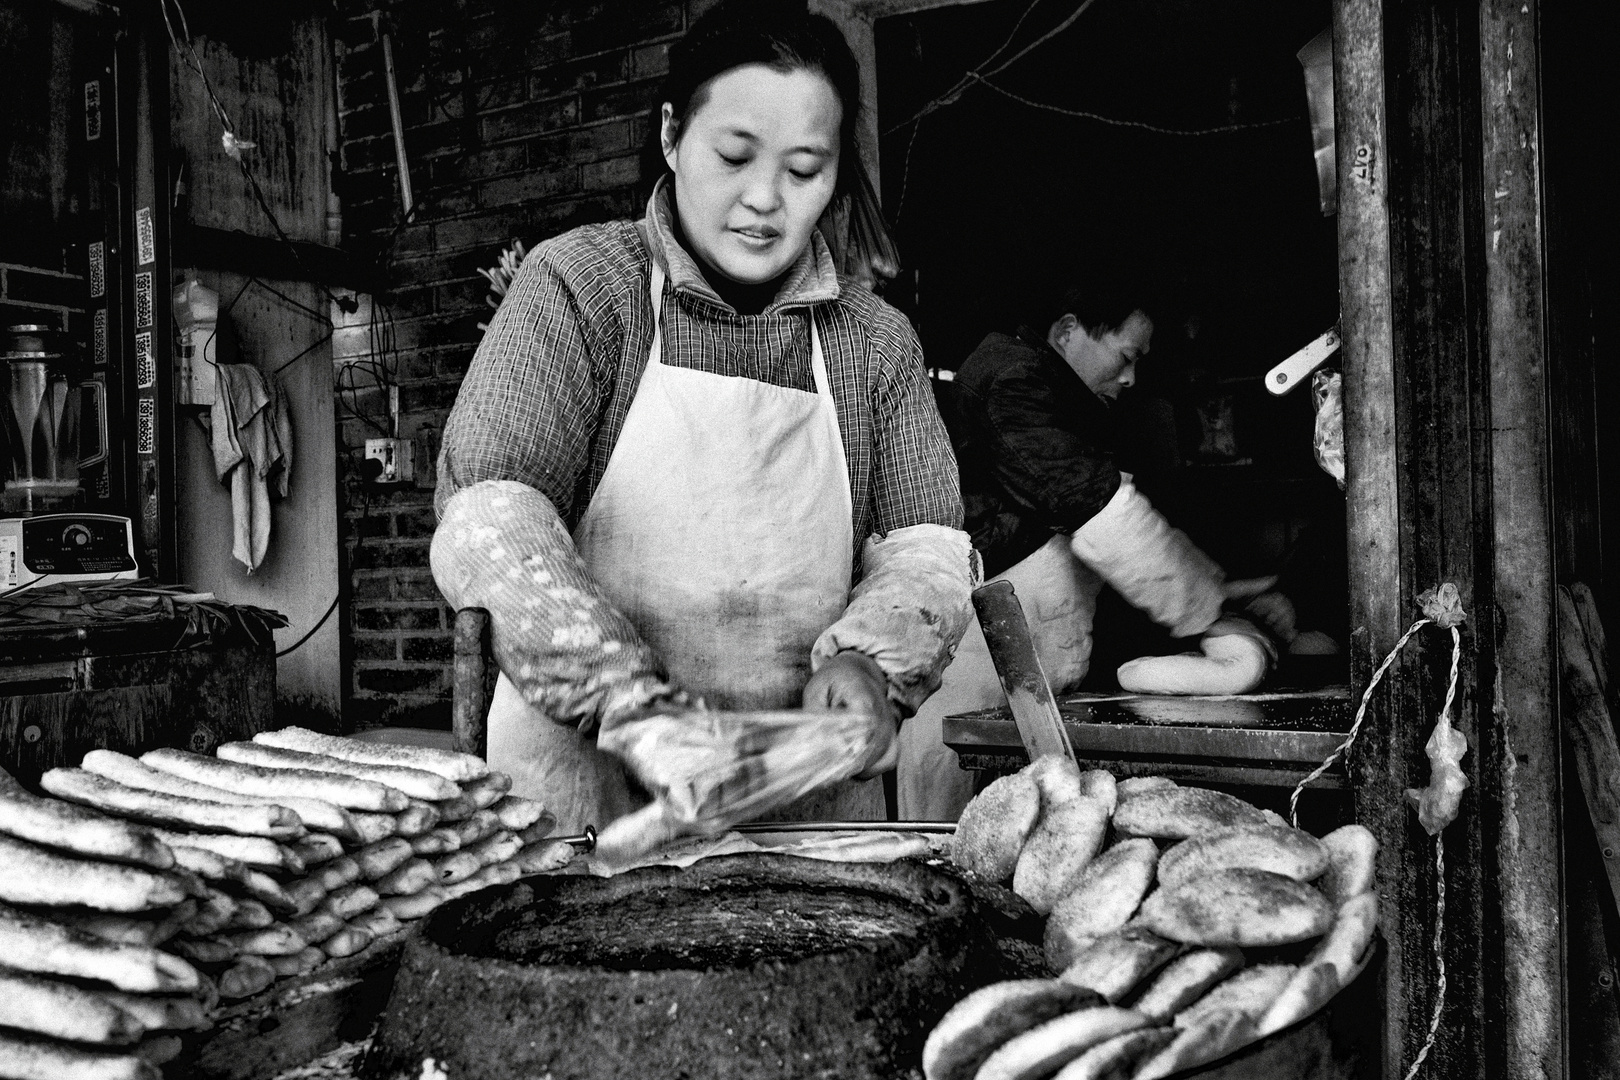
(1012, 650)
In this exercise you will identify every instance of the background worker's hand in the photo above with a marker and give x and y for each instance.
(853, 682)
(1247, 588)
(1275, 612)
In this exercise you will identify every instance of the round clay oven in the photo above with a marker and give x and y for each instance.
(739, 966)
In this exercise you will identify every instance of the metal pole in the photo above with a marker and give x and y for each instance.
(399, 124)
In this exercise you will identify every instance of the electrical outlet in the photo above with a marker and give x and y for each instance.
(397, 457)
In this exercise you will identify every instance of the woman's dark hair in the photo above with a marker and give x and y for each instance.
(780, 34)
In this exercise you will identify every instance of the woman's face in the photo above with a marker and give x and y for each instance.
(755, 161)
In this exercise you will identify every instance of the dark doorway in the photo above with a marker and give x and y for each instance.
(1192, 170)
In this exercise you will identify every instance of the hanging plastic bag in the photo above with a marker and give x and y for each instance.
(1328, 439)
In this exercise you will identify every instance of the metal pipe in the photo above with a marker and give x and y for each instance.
(334, 148)
(586, 841)
(944, 827)
(399, 124)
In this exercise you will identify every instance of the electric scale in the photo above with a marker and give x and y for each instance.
(51, 548)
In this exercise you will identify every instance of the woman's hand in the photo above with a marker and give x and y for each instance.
(852, 681)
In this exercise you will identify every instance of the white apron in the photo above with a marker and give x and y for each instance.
(722, 530)
(1058, 593)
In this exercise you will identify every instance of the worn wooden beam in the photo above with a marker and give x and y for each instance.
(862, 37)
(469, 704)
(1591, 839)
(1371, 489)
(1443, 416)
(1282, 757)
(1527, 855)
(1591, 733)
(268, 257)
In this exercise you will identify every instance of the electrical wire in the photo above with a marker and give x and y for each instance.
(379, 364)
(311, 313)
(980, 76)
(950, 96)
(188, 56)
(1085, 115)
(968, 80)
(329, 609)
(317, 343)
(382, 338)
(359, 543)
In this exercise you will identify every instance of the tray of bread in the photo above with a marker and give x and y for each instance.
(141, 896)
(1182, 925)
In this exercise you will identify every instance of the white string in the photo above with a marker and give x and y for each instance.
(1439, 931)
(1450, 612)
(1361, 714)
(1440, 889)
(1456, 661)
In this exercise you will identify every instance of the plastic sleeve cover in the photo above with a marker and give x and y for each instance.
(501, 546)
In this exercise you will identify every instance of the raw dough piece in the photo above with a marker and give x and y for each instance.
(1234, 660)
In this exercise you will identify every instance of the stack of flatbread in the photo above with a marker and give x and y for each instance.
(1182, 924)
(85, 898)
(260, 863)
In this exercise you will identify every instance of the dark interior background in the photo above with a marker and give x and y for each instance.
(46, 56)
(1579, 105)
(997, 204)
(1001, 198)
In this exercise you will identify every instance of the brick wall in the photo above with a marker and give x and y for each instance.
(522, 119)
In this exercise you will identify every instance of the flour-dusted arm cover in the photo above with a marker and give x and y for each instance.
(501, 546)
(909, 610)
(515, 456)
(1153, 565)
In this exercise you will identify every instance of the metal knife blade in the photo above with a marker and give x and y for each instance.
(1012, 650)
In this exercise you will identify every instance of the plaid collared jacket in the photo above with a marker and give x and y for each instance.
(548, 390)
(545, 401)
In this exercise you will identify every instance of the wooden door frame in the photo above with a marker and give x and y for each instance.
(1469, 396)
(1504, 939)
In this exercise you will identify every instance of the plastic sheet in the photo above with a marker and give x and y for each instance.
(709, 771)
(1328, 438)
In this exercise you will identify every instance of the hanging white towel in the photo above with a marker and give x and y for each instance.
(252, 443)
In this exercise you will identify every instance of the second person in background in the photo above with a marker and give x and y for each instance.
(1051, 512)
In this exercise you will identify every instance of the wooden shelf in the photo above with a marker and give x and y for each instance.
(269, 257)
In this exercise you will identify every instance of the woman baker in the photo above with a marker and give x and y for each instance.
(691, 462)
